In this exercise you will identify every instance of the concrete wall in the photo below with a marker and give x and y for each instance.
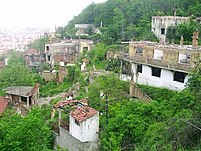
(159, 22)
(166, 55)
(65, 140)
(165, 80)
(87, 130)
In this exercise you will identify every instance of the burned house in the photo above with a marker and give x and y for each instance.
(160, 24)
(60, 52)
(80, 132)
(158, 65)
(32, 58)
(25, 95)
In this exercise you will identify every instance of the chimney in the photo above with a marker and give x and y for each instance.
(182, 40)
(195, 39)
(175, 12)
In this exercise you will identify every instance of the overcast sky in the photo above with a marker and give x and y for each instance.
(40, 13)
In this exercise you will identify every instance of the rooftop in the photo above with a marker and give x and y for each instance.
(80, 112)
(19, 90)
(169, 46)
(170, 17)
(3, 104)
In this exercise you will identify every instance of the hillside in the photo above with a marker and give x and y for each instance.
(129, 19)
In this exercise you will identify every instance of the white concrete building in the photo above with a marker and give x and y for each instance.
(160, 24)
(159, 65)
(160, 77)
(84, 124)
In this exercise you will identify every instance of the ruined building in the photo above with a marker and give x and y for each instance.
(60, 52)
(160, 24)
(25, 95)
(66, 52)
(32, 58)
(160, 65)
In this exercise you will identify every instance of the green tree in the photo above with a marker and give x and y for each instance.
(25, 133)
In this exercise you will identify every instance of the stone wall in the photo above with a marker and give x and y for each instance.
(65, 140)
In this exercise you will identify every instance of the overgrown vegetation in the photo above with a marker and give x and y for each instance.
(16, 73)
(186, 30)
(124, 20)
(39, 44)
(26, 133)
(167, 123)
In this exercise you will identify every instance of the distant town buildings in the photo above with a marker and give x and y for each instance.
(18, 39)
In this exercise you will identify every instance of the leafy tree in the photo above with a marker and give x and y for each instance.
(16, 73)
(25, 133)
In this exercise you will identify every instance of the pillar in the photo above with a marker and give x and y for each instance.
(27, 101)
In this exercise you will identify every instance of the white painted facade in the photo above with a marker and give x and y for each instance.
(166, 79)
(86, 130)
(125, 77)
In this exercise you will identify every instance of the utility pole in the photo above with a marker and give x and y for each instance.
(106, 109)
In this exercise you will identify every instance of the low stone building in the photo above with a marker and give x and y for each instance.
(25, 95)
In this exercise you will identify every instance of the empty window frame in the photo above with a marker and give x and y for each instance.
(158, 54)
(184, 58)
(85, 49)
(179, 76)
(48, 57)
(139, 51)
(139, 68)
(162, 31)
(47, 48)
(156, 72)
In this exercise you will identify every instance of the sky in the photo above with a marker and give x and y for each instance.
(40, 13)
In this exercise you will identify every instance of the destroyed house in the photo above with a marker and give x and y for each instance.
(159, 65)
(32, 58)
(25, 95)
(60, 52)
(160, 24)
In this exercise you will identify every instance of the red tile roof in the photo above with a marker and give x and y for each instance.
(64, 103)
(82, 113)
(3, 104)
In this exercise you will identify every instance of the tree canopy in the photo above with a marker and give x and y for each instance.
(123, 20)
